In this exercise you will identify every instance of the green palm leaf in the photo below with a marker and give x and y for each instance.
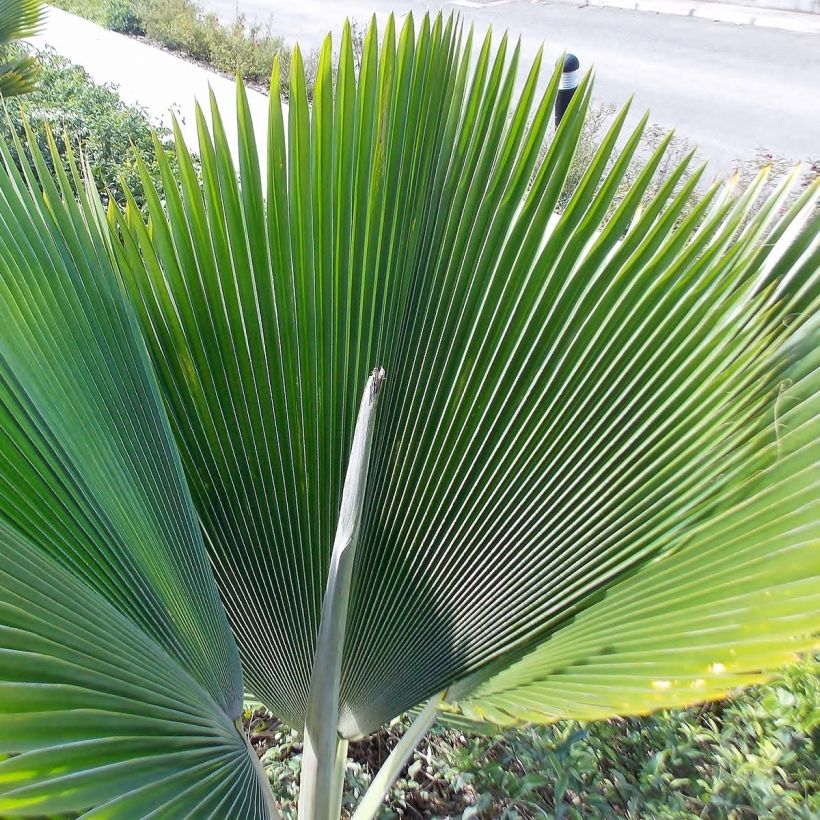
(18, 76)
(594, 450)
(110, 622)
(739, 597)
(99, 714)
(19, 19)
(565, 401)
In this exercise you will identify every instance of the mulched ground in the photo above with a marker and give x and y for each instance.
(431, 799)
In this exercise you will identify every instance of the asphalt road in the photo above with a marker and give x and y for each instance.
(730, 89)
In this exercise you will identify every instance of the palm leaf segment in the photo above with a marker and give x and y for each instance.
(120, 682)
(595, 447)
(565, 401)
(18, 19)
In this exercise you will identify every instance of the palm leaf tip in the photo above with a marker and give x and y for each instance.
(20, 19)
(19, 76)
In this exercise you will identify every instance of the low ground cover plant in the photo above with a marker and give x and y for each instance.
(753, 755)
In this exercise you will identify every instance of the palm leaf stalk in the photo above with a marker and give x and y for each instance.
(19, 19)
(324, 751)
(398, 758)
(594, 456)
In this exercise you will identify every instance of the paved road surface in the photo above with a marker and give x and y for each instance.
(727, 88)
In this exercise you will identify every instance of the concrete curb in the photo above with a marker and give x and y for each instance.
(801, 22)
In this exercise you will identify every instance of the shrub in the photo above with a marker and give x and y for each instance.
(95, 10)
(752, 755)
(179, 26)
(89, 115)
(121, 16)
(249, 48)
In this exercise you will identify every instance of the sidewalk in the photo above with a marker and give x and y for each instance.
(150, 77)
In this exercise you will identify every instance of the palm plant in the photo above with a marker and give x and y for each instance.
(18, 19)
(581, 480)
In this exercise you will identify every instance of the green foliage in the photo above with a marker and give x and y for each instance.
(124, 17)
(600, 118)
(592, 486)
(754, 755)
(178, 25)
(19, 72)
(246, 48)
(750, 756)
(19, 19)
(89, 116)
(110, 620)
(95, 10)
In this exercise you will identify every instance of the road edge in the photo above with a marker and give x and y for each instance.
(795, 21)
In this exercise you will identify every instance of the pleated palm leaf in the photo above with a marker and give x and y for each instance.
(18, 19)
(581, 480)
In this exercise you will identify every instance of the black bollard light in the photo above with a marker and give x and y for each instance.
(570, 77)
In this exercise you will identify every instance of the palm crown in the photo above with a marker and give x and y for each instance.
(589, 486)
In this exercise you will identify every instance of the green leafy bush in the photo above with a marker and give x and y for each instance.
(178, 25)
(249, 48)
(91, 116)
(754, 755)
(122, 16)
(94, 10)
